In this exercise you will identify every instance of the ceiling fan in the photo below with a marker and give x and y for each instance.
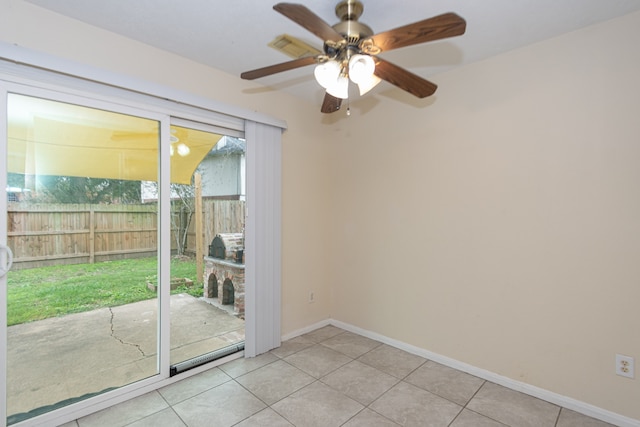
(351, 49)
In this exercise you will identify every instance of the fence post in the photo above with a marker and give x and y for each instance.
(92, 235)
(198, 227)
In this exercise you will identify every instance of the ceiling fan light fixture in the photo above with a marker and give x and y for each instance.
(327, 73)
(361, 68)
(339, 88)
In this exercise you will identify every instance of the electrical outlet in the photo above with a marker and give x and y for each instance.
(624, 366)
(312, 297)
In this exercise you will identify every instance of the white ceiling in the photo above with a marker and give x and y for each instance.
(233, 35)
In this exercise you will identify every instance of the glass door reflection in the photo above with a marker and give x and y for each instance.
(82, 318)
(207, 301)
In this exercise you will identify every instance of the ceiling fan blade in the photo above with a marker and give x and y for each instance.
(278, 68)
(309, 20)
(403, 79)
(330, 104)
(436, 28)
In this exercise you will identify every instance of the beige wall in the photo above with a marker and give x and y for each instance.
(305, 185)
(499, 224)
(496, 223)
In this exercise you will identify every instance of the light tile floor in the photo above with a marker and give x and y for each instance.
(331, 377)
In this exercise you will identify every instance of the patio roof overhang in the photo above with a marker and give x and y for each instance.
(52, 138)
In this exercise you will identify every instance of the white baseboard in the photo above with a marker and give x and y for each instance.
(557, 399)
(306, 329)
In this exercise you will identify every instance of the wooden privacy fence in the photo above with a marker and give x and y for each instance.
(47, 234)
(218, 216)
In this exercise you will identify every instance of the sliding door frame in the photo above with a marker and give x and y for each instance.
(3, 241)
(164, 233)
(44, 74)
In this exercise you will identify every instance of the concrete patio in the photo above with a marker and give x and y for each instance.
(56, 359)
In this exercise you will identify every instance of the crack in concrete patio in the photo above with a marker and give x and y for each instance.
(123, 342)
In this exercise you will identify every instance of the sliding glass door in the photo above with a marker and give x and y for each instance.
(80, 217)
(111, 217)
(207, 207)
(82, 303)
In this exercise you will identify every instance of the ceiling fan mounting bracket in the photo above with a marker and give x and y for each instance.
(367, 46)
(332, 49)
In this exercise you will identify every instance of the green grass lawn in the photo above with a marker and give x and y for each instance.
(40, 293)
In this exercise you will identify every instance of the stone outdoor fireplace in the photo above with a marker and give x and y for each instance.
(224, 271)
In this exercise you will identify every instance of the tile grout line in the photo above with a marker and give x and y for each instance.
(368, 406)
(344, 344)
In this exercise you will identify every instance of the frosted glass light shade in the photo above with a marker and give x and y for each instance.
(361, 68)
(366, 85)
(340, 88)
(327, 73)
